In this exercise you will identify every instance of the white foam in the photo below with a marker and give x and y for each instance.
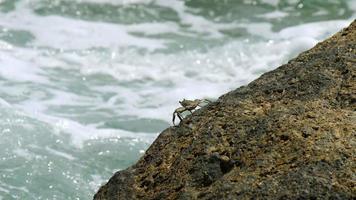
(275, 14)
(24, 153)
(186, 74)
(60, 153)
(80, 133)
(116, 2)
(97, 181)
(66, 33)
(271, 2)
(14, 68)
(262, 29)
(4, 190)
(5, 46)
(316, 30)
(4, 103)
(196, 23)
(352, 5)
(23, 189)
(320, 12)
(194, 74)
(154, 28)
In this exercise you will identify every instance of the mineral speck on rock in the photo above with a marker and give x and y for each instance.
(290, 134)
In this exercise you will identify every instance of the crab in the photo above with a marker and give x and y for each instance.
(187, 105)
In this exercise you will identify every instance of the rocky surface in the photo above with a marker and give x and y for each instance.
(288, 135)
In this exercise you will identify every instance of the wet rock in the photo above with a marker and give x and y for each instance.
(290, 134)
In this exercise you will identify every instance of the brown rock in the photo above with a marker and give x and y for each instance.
(288, 135)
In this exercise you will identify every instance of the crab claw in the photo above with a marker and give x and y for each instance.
(182, 102)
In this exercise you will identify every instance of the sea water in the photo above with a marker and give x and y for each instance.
(87, 85)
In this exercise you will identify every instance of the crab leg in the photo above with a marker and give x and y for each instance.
(180, 116)
(174, 117)
(177, 112)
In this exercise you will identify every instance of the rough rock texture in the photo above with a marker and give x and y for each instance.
(291, 134)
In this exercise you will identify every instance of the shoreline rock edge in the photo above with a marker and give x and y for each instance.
(290, 134)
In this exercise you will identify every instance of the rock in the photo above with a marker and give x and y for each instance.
(290, 134)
